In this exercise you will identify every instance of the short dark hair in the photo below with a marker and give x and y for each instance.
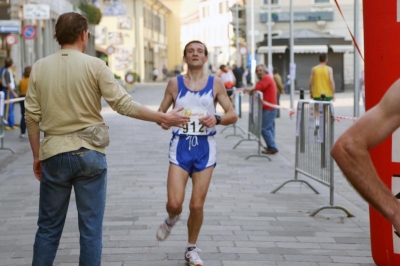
(205, 47)
(222, 67)
(275, 71)
(27, 71)
(8, 62)
(69, 26)
(322, 57)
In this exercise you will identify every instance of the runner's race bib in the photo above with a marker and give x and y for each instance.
(194, 127)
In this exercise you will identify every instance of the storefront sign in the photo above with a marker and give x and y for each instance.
(36, 12)
(298, 16)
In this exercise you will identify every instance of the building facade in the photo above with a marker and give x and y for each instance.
(25, 51)
(318, 17)
(210, 23)
(138, 36)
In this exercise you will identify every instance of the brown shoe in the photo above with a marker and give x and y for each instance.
(270, 151)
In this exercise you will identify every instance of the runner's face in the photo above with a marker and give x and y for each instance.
(195, 55)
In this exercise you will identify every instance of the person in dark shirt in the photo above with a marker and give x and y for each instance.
(238, 73)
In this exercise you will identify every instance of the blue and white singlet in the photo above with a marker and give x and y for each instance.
(196, 104)
(193, 147)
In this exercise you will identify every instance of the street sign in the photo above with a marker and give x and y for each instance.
(129, 78)
(110, 49)
(243, 50)
(29, 32)
(36, 12)
(11, 39)
(10, 26)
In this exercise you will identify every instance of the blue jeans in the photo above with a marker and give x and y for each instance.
(268, 128)
(86, 171)
(9, 108)
(23, 124)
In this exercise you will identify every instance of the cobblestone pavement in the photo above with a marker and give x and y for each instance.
(244, 224)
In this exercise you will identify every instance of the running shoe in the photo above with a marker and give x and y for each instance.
(165, 229)
(193, 257)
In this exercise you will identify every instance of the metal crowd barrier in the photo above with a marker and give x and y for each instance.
(2, 123)
(237, 103)
(255, 123)
(314, 140)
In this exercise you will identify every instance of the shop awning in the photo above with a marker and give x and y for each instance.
(298, 49)
(275, 49)
(342, 48)
(310, 49)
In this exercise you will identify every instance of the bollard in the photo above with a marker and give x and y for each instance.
(301, 94)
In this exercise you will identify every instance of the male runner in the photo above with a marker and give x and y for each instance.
(192, 148)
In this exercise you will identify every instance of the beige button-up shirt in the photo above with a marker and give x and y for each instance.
(64, 96)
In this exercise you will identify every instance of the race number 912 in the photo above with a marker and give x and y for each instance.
(193, 127)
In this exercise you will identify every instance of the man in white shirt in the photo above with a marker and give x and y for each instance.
(9, 92)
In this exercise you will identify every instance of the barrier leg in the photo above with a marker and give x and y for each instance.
(234, 132)
(260, 156)
(295, 181)
(3, 148)
(237, 144)
(337, 207)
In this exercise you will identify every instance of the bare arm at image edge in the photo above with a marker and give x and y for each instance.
(351, 154)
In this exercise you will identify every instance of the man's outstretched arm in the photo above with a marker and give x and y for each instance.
(351, 153)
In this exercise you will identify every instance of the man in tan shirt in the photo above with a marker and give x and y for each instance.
(64, 101)
(279, 88)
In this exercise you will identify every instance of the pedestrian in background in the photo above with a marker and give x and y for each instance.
(23, 89)
(227, 78)
(279, 87)
(165, 72)
(287, 85)
(64, 101)
(155, 74)
(267, 86)
(321, 80)
(9, 93)
(238, 72)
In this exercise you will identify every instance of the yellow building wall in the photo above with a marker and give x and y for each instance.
(174, 50)
(124, 57)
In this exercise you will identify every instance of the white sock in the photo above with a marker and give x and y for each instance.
(189, 246)
(172, 222)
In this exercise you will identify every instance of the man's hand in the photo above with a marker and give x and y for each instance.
(37, 168)
(14, 93)
(208, 121)
(165, 126)
(174, 118)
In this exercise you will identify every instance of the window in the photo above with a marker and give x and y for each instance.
(274, 2)
(322, 1)
(221, 8)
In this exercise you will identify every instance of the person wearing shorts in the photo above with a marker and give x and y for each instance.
(192, 150)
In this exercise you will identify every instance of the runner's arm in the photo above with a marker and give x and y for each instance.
(168, 99)
(351, 153)
(311, 83)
